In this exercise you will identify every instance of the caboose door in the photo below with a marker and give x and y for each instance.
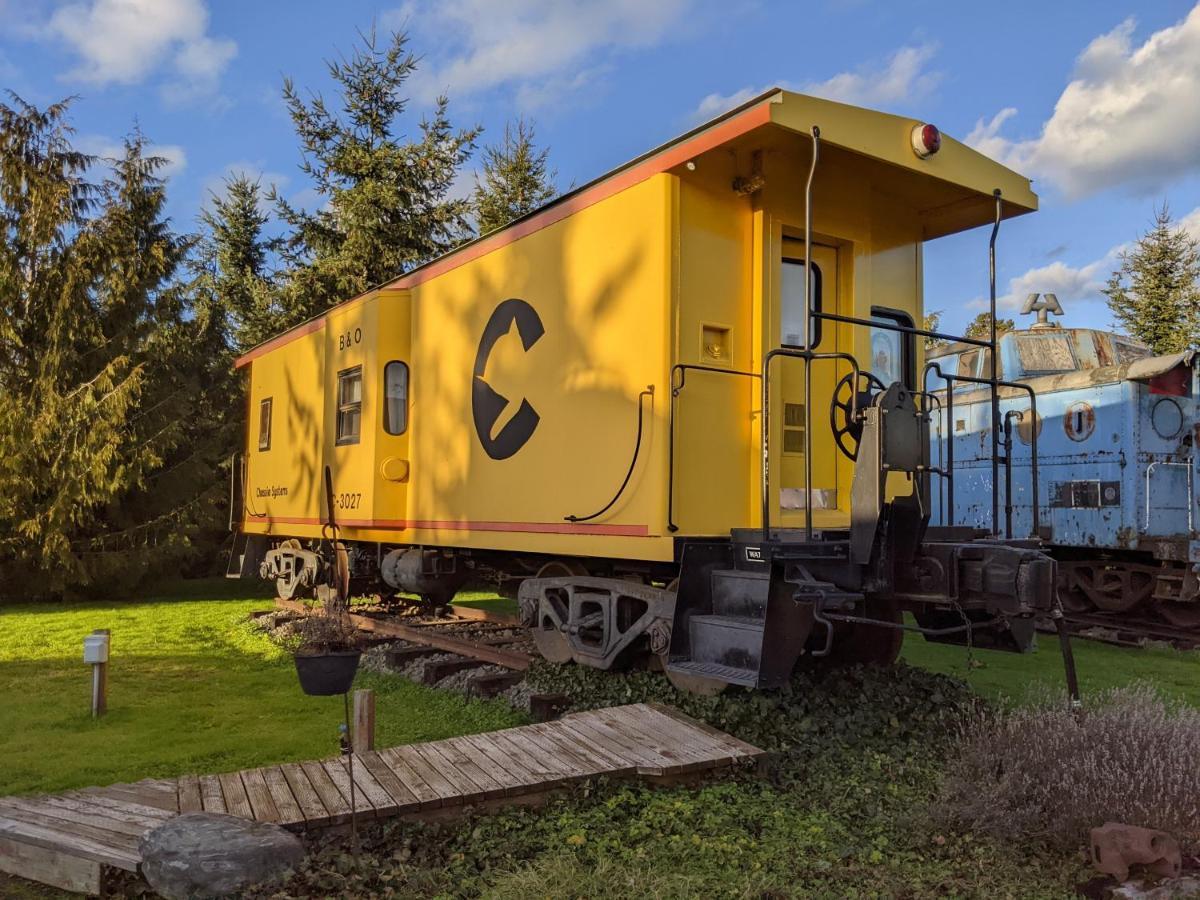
(393, 422)
(787, 388)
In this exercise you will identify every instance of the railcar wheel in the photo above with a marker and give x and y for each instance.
(286, 586)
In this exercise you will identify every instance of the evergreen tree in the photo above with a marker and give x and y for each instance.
(1155, 294)
(385, 199)
(516, 179)
(232, 264)
(104, 462)
(981, 327)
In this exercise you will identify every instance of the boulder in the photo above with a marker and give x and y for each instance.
(203, 854)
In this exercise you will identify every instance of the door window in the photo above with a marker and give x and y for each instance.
(349, 410)
(791, 303)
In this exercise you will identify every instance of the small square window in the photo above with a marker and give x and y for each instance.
(349, 408)
(264, 424)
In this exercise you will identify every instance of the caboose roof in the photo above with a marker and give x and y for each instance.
(951, 190)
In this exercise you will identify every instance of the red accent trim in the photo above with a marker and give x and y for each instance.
(671, 156)
(274, 343)
(1173, 383)
(450, 525)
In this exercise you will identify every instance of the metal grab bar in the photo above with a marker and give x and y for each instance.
(637, 450)
(1033, 433)
(1191, 498)
(682, 369)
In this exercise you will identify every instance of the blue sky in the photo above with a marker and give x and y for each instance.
(1098, 101)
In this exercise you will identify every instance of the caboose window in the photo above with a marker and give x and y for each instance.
(893, 353)
(395, 397)
(264, 424)
(349, 410)
(791, 303)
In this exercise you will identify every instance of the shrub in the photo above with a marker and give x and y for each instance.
(1045, 772)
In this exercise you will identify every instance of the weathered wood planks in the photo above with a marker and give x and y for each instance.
(66, 840)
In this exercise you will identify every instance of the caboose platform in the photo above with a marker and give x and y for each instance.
(68, 840)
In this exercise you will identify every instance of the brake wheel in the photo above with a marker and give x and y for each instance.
(847, 427)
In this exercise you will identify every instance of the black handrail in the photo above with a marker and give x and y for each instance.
(682, 369)
(808, 356)
(637, 449)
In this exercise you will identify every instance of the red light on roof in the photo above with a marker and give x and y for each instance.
(926, 140)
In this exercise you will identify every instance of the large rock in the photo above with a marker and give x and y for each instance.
(208, 855)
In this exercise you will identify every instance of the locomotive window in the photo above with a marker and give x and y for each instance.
(791, 303)
(349, 410)
(1041, 354)
(264, 424)
(395, 397)
(893, 353)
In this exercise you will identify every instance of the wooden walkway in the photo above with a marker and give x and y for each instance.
(67, 839)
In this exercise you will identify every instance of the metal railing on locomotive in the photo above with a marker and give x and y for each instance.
(812, 315)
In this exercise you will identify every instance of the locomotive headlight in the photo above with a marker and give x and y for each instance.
(1166, 418)
(926, 140)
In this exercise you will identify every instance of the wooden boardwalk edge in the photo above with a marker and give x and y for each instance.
(67, 840)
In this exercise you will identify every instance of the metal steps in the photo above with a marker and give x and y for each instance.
(728, 674)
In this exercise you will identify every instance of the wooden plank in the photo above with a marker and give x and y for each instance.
(72, 845)
(679, 746)
(591, 754)
(687, 742)
(721, 737)
(409, 767)
(289, 810)
(70, 813)
(527, 741)
(645, 760)
(211, 795)
(403, 799)
(453, 787)
(481, 760)
(585, 731)
(331, 797)
(336, 770)
(110, 809)
(52, 867)
(591, 763)
(149, 813)
(129, 794)
(365, 783)
(526, 755)
(261, 803)
(189, 794)
(364, 721)
(306, 796)
(502, 760)
(237, 803)
(70, 830)
(463, 771)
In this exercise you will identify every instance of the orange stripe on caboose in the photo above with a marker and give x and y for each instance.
(451, 525)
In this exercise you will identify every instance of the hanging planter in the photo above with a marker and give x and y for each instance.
(324, 674)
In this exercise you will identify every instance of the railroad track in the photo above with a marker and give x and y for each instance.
(462, 640)
(1126, 632)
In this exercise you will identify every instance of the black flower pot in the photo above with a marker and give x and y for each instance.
(326, 674)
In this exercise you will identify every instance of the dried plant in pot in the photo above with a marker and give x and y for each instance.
(325, 648)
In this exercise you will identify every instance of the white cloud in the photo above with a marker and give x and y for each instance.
(1191, 223)
(537, 47)
(1129, 116)
(902, 79)
(107, 148)
(124, 41)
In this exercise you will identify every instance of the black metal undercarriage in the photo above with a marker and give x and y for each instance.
(748, 609)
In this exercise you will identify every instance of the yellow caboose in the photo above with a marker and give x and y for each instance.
(678, 406)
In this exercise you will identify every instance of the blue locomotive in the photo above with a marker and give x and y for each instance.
(1115, 428)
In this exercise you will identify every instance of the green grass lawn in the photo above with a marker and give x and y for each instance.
(1012, 676)
(191, 689)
